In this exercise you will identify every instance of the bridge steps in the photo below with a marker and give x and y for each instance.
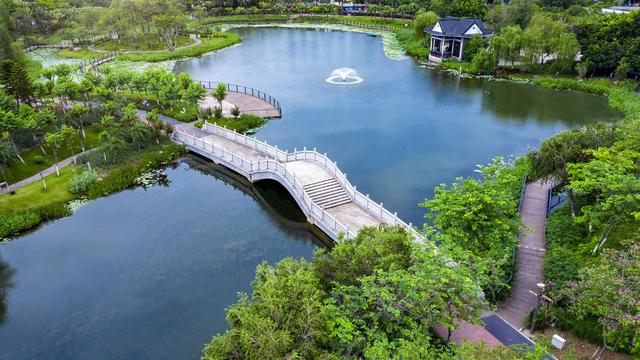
(327, 193)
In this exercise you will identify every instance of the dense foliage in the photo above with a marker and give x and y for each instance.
(477, 221)
(376, 296)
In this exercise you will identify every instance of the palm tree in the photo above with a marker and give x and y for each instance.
(220, 93)
(139, 133)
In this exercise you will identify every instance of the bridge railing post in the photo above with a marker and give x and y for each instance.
(381, 209)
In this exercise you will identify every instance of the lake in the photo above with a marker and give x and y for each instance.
(147, 274)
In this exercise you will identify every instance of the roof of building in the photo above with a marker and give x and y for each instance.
(451, 26)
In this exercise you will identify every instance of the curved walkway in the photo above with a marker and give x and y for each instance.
(321, 190)
(530, 255)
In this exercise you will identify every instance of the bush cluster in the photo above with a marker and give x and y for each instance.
(14, 223)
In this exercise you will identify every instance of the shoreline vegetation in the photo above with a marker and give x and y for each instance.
(388, 269)
(210, 42)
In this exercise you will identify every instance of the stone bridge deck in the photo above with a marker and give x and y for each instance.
(321, 190)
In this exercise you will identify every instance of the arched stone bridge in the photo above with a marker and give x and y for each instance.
(321, 190)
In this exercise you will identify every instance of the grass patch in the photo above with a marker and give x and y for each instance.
(83, 53)
(243, 18)
(36, 160)
(34, 195)
(32, 204)
(395, 24)
(245, 124)
(141, 43)
(412, 44)
(207, 45)
(465, 66)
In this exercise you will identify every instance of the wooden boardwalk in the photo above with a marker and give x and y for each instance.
(322, 191)
(530, 256)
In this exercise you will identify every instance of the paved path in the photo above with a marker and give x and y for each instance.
(246, 103)
(530, 256)
(37, 177)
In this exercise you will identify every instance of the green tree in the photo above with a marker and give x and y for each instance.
(220, 93)
(8, 124)
(7, 154)
(610, 179)
(484, 62)
(622, 70)
(68, 135)
(139, 133)
(77, 114)
(551, 159)
(468, 8)
(508, 44)
(610, 291)
(516, 12)
(423, 20)
(472, 46)
(284, 318)
(54, 140)
(193, 94)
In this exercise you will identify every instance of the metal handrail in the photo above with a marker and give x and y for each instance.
(363, 201)
(244, 90)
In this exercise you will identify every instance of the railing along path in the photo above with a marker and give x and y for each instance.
(244, 90)
(273, 166)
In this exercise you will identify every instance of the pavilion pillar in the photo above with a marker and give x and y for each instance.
(461, 49)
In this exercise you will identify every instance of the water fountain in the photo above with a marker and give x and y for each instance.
(344, 76)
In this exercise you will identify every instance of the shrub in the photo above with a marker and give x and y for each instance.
(562, 264)
(623, 69)
(217, 112)
(53, 211)
(80, 182)
(484, 62)
(472, 47)
(116, 180)
(11, 224)
(125, 177)
(38, 159)
(582, 69)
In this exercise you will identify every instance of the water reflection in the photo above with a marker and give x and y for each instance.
(146, 274)
(6, 283)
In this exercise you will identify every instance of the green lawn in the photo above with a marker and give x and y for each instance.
(141, 43)
(208, 44)
(34, 195)
(36, 161)
(83, 53)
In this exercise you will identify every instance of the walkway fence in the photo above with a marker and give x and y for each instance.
(554, 199)
(93, 63)
(275, 160)
(353, 23)
(244, 90)
(32, 47)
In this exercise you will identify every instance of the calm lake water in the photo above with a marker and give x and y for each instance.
(146, 274)
(405, 128)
